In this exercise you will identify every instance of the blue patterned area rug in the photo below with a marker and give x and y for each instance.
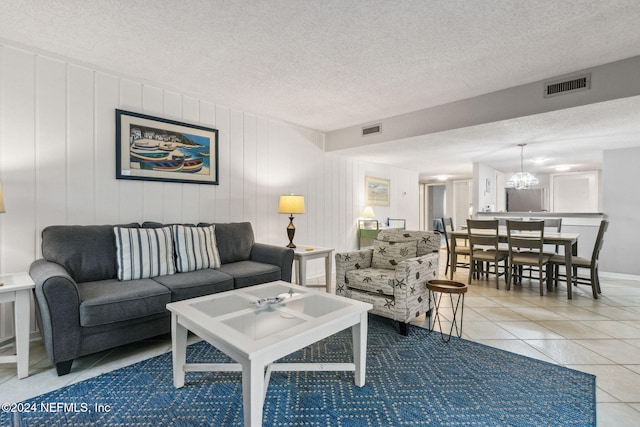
(411, 381)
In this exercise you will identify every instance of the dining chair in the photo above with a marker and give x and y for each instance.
(553, 225)
(525, 241)
(399, 224)
(483, 248)
(579, 262)
(462, 249)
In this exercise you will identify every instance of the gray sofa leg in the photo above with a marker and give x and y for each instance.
(404, 328)
(63, 368)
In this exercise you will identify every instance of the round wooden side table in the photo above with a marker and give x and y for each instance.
(437, 290)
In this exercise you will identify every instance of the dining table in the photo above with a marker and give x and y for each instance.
(567, 240)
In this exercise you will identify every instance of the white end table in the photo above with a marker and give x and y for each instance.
(302, 254)
(17, 288)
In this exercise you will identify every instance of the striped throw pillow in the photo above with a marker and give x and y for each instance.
(196, 247)
(144, 252)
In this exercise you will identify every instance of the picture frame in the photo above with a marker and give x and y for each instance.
(377, 191)
(156, 149)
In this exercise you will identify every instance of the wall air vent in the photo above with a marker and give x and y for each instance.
(567, 85)
(372, 130)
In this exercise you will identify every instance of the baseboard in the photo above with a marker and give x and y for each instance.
(621, 276)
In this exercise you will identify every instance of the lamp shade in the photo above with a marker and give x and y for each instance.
(291, 204)
(368, 212)
(1, 200)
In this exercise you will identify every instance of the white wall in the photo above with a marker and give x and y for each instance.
(57, 163)
(485, 188)
(621, 204)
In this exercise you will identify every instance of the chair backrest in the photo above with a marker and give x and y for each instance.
(400, 224)
(428, 241)
(447, 224)
(445, 232)
(604, 224)
(527, 235)
(550, 224)
(553, 225)
(502, 222)
(483, 233)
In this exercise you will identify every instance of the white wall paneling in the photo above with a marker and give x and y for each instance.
(57, 164)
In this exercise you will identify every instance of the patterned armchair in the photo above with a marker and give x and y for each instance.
(393, 275)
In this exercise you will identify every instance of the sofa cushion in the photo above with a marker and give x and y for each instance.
(248, 273)
(196, 283)
(376, 280)
(144, 252)
(234, 240)
(195, 248)
(154, 224)
(110, 301)
(87, 252)
(389, 254)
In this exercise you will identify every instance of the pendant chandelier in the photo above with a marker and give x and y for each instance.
(522, 179)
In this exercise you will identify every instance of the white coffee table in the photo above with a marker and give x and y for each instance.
(256, 337)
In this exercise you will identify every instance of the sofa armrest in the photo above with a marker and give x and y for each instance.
(410, 289)
(58, 314)
(346, 261)
(276, 255)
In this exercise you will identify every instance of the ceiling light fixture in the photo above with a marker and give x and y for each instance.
(522, 179)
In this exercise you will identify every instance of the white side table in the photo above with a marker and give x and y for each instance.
(303, 253)
(16, 288)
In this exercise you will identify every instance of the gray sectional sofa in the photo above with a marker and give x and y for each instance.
(83, 308)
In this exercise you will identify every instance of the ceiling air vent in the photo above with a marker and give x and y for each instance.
(567, 85)
(372, 130)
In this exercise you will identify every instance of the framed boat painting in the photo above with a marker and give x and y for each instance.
(376, 191)
(156, 149)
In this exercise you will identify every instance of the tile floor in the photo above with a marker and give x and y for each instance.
(601, 337)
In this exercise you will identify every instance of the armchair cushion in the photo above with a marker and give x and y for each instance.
(388, 254)
(377, 280)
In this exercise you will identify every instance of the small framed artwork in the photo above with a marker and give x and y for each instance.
(155, 149)
(376, 191)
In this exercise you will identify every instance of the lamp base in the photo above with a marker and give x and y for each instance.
(291, 231)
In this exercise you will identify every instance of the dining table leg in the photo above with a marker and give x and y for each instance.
(568, 251)
(453, 258)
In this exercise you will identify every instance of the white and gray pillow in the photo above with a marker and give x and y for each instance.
(195, 247)
(144, 252)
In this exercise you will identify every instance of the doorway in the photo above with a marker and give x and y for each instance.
(435, 203)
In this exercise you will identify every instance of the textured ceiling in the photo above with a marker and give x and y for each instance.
(573, 137)
(333, 63)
